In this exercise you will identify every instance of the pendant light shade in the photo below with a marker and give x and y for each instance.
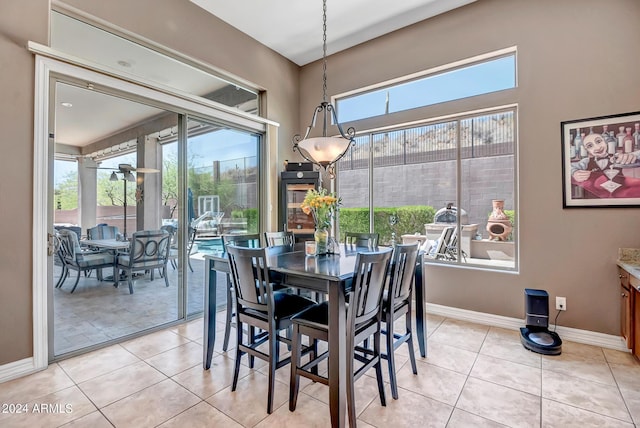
(324, 150)
(114, 176)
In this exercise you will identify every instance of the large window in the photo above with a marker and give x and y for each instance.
(445, 174)
(449, 183)
(448, 83)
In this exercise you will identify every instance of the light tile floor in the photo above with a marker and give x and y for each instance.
(473, 376)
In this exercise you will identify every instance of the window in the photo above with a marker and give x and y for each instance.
(449, 183)
(479, 78)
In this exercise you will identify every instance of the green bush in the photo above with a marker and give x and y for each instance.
(411, 220)
(251, 214)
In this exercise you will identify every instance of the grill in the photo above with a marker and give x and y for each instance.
(449, 215)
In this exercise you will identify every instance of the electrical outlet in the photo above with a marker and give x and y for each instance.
(561, 303)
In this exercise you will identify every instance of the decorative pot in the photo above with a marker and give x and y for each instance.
(321, 236)
(499, 226)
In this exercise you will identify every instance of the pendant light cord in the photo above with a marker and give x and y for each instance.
(324, 51)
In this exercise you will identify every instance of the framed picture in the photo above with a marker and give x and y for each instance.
(601, 161)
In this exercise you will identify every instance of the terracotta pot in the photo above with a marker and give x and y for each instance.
(499, 226)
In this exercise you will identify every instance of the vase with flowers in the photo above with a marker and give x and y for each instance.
(322, 206)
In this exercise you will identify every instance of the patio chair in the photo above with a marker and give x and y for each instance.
(148, 250)
(451, 250)
(73, 257)
(173, 250)
(103, 232)
(440, 251)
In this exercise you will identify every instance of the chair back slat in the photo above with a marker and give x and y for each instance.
(250, 277)
(358, 239)
(70, 250)
(403, 264)
(369, 279)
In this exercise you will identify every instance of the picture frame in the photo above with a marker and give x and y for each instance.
(601, 162)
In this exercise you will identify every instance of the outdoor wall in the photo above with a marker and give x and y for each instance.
(423, 184)
(576, 59)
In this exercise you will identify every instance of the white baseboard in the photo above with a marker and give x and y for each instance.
(566, 333)
(17, 369)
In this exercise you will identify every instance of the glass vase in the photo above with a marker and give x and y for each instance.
(321, 236)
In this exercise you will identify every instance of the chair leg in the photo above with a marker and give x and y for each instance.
(77, 280)
(236, 370)
(412, 352)
(376, 351)
(391, 358)
(296, 356)
(164, 274)
(227, 327)
(63, 276)
(252, 335)
(351, 404)
(273, 359)
(130, 281)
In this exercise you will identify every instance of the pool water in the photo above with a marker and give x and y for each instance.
(209, 245)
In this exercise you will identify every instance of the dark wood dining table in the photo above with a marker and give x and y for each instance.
(325, 273)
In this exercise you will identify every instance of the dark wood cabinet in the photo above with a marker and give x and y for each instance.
(293, 188)
(626, 308)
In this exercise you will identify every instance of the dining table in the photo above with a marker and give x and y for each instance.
(328, 273)
(112, 245)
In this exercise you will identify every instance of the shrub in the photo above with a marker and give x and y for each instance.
(411, 219)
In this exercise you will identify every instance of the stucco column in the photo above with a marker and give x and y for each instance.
(148, 212)
(87, 192)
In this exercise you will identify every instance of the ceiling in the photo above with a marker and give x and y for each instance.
(275, 23)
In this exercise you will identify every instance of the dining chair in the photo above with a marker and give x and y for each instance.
(364, 316)
(246, 240)
(361, 239)
(260, 307)
(73, 257)
(396, 303)
(287, 239)
(273, 239)
(148, 250)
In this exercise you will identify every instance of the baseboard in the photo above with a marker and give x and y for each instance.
(17, 369)
(566, 333)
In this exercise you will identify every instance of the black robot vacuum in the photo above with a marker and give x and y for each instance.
(536, 336)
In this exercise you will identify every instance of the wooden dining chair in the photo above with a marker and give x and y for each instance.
(260, 307)
(273, 239)
(364, 315)
(361, 239)
(396, 303)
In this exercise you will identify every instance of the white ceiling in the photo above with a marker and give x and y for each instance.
(293, 28)
(274, 23)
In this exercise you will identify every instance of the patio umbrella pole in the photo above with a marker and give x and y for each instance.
(125, 207)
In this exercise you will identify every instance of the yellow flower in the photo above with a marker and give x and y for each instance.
(321, 205)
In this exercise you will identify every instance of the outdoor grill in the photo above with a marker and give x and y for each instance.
(449, 215)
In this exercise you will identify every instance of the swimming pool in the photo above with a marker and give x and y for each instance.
(208, 245)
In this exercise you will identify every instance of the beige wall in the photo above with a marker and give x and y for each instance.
(576, 59)
(20, 21)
